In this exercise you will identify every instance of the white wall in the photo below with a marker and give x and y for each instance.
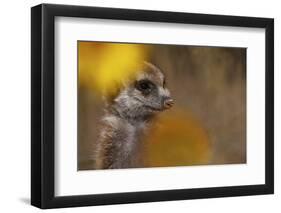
(15, 105)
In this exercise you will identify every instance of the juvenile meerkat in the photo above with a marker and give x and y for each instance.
(127, 116)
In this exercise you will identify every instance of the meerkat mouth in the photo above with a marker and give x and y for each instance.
(154, 108)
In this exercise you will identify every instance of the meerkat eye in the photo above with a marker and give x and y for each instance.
(144, 85)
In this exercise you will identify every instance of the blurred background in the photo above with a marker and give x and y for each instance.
(207, 124)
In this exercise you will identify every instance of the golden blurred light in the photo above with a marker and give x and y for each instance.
(103, 67)
(177, 139)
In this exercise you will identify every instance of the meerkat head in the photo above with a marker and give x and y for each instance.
(144, 95)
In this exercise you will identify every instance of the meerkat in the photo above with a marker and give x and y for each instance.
(127, 117)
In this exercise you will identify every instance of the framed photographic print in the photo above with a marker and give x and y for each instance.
(139, 106)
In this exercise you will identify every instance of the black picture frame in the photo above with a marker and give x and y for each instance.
(43, 102)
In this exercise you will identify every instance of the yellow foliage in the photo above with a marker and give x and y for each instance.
(103, 67)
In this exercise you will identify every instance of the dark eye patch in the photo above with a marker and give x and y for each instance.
(145, 86)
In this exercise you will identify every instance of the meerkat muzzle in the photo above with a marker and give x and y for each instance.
(168, 103)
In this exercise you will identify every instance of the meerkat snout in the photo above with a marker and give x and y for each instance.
(168, 103)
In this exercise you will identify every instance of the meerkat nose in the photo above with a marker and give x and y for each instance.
(168, 103)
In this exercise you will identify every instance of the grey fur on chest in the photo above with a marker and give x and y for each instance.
(124, 140)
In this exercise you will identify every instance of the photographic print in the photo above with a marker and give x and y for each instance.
(160, 105)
